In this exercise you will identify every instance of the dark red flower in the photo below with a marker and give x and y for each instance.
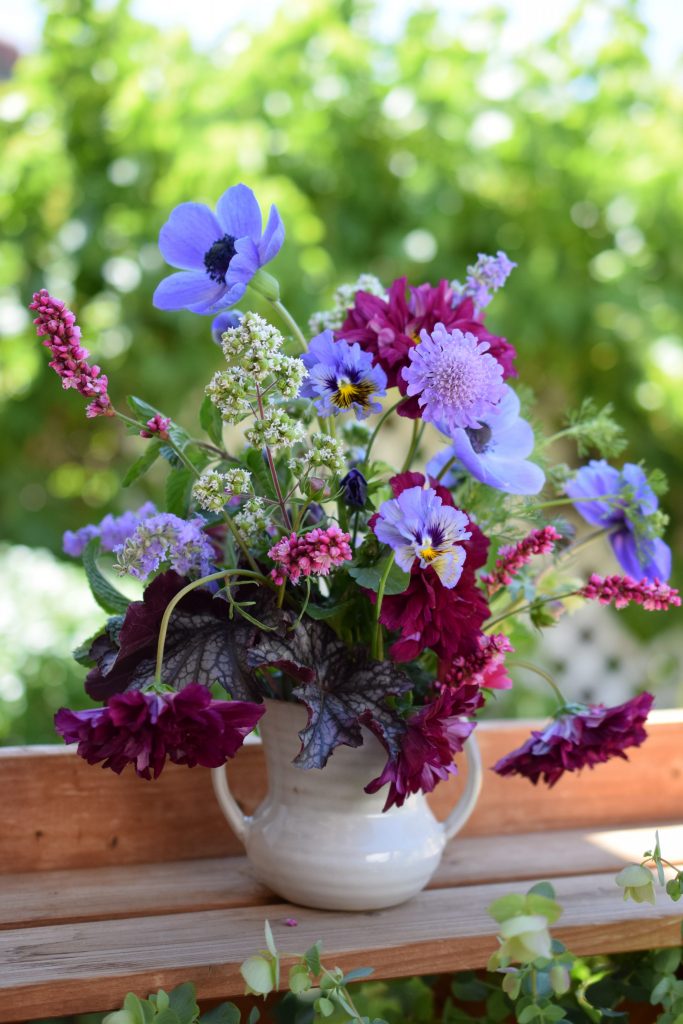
(587, 736)
(433, 735)
(389, 328)
(143, 728)
(427, 614)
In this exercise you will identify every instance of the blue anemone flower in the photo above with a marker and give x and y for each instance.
(217, 253)
(624, 501)
(223, 322)
(341, 377)
(495, 452)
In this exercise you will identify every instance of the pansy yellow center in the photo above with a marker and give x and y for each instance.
(348, 393)
(428, 553)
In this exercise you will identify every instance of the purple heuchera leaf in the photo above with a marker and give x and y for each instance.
(342, 689)
(203, 645)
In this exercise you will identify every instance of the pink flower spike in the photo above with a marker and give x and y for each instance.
(515, 556)
(57, 326)
(624, 590)
(312, 554)
(157, 427)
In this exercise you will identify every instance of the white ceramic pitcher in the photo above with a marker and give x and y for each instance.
(320, 841)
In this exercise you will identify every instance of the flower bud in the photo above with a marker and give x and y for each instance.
(636, 881)
(354, 488)
(560, 980)
(526, 937)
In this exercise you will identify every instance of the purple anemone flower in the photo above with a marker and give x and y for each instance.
(217, 253)
(495, 452)
(143, 728)
(624, 501)
(455, 378)
(223, 322)
(417, 525)
(341, 377)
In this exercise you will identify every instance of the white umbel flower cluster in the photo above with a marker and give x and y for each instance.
(252, 518)
(213, 489)
(276, 430)
(324, 453)
(342, 300)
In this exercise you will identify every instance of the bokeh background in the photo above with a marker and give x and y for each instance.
(396, 138)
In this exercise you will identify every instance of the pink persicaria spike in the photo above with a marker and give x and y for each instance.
(157, 426)
(514, 557)
(57, 326)
(624, 590)
(312, 554)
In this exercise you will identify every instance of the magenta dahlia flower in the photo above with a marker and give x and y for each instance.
(428, 614)
(389, 328)
(433, 735)
(579, 735)
(144, 729)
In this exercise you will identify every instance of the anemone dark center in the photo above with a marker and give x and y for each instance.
(479, 437)
(217, 258)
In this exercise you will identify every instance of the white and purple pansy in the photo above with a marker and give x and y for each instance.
(217, 254)
(417, 525)
(341, 378)
(494, 452)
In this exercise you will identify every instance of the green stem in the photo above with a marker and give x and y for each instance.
(163, 629)
(418, 430)
(570, 501)
(377, 429)
(291, 323)
(273, 471)
(517, 608)
(377, 644)
(241, 542)
(444, 469)
(543, 674)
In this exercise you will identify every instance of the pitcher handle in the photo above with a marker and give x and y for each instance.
(475, 777)
(238, 821)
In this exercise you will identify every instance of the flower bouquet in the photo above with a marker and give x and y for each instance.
(368, 606)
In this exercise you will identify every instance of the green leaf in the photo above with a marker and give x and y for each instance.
(143, 410)
(183, 1002)
(324, 1006)
(81, 654)
(107, 596)
(548, 908)
(314, 611)
(529, 1013)
(673, 887)
(226, 1013)
(178, 492)
(167, 1016)
(133, 1006)
(357, 974)
(542, 889)
(553, 1013)
(258, 975)
(660, 990)
(507, 906)
(211, 421)
(254, 1016)
(369, 577)
(270, 941)
(299, 979)
(667, 961)
(312, 958)
(146, 461)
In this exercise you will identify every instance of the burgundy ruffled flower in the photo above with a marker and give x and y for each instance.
(389, 328)
(144, 728)
(588, 736)
(427, 614)
(433, 735)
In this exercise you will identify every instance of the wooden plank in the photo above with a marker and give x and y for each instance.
(59, 812)
(54, 897)
(90, 966)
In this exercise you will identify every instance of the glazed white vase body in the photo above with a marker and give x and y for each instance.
(319, 840)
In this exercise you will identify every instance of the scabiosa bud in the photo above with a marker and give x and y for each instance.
(354, 488)
(312, 554)
(486, 276)
(57, 325)
(157, 427)
(623, 590)
(514, 557)
(457, 382)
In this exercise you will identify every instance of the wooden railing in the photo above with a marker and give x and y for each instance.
(110, 884)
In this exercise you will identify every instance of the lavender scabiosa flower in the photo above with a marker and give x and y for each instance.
(57, 326)
(627, 507)
(112, 531)
(144, 728)
(486, 276)
(494, 452)
(417, 525)
(166, 539)
(457, 382)
(218, 253)
(341, 377)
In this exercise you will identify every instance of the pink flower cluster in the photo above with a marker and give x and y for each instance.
(157, 427)
(483, 667)
(57, 325)
(624, 590)
(312, 554)
(515, 556)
